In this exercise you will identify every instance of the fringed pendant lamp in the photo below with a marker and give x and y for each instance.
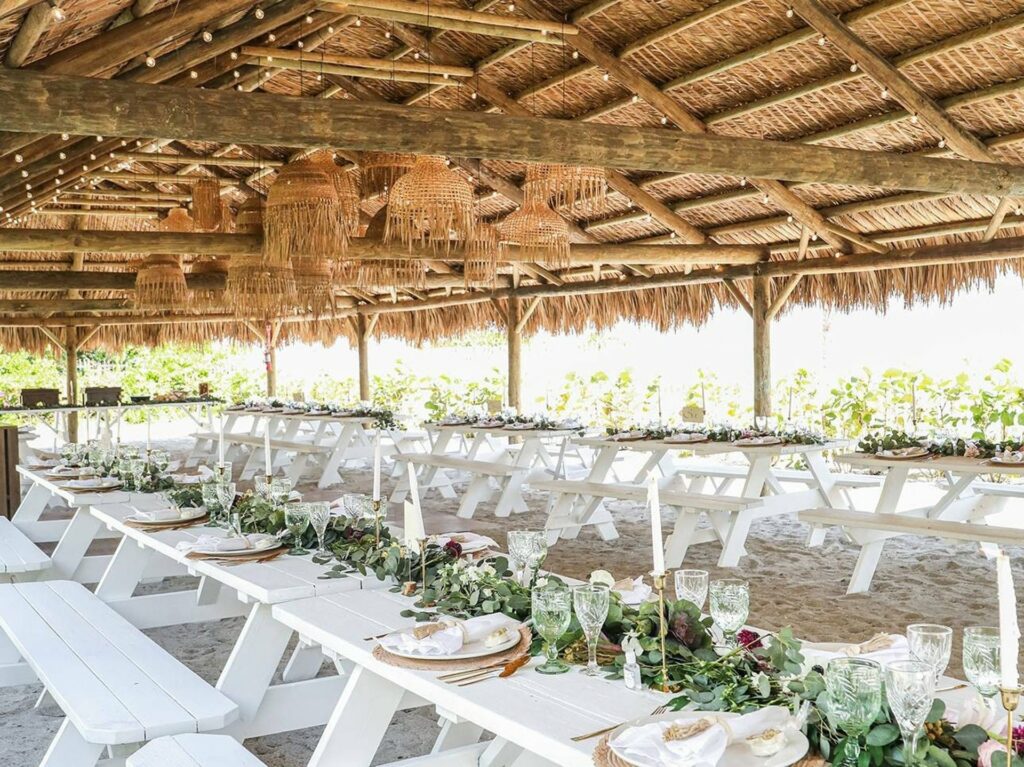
(314, 285)
(206, 204)
(380, 272)
(539, 233)
(430, 205)
(481, 263)
(378, 171)
(160, 281)
(254, 288)
(302, 217)
(216, 271)
(569, 185)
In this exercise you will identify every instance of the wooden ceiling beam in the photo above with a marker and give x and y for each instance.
(189, 159)
(387, 66)
(37, 21)
(455, 13)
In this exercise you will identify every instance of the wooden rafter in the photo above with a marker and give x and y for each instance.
(36, 22)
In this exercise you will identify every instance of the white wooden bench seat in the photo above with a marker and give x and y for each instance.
(194, 751)
(18, 555)
(115, 685)
(727, 472)
(730, 516)
(433, 475)
(303, 453)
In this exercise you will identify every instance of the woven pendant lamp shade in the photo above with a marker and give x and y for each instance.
(255, 289)
(481, 263)
(207, 298)
(380, 272)
(206, 205)
(430, 205)
(314, 285)
(345, 187)
(569, 185)
(378, 171)
(250, 216)
(160, 281)
(302, 217)
(540, 233)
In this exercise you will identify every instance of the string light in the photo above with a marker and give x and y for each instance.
(359, 21)
(207, 36)
(822, 41)
(854, 67)
(193, 74)
(65, 136)
(309, 19)
(511, 7)
(236, 74)
(57, 13)
(605, 77)
(19, 158)
(271, 37)
(301, 44)
(790, 13)
(942, 143)
(635, 98)
(24, 174)
(99, 139)
(913, 119)
(664, 120)
(575, 54)
(330, 29)
(150, 61)
(234, 55)
(258, 12)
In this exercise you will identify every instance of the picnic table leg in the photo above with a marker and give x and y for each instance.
(124, 572)
(304, 664)
(456, 733)
(332, 471)
(737, 537)
(33, 504)
(73, 544)
(479, 490)
(867, 563)
(679, 540)
(69, 749)
(357, 725)
(500, 753)
(586, 507)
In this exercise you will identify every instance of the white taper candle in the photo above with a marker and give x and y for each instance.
(266, 450)
(220, 442)
(376, 467)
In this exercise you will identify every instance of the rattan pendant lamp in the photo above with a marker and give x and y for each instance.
(538, 233)
(255, 288)
(480, 267)
(303, 218)
(378, 171)
(585, 186)
(430, 205)
(206, 205)
(160, 281)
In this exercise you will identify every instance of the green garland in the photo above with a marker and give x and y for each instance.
(972, 448)
(725, 433)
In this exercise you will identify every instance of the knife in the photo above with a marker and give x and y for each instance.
(508, 670)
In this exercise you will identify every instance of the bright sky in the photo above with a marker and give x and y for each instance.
(940, 340)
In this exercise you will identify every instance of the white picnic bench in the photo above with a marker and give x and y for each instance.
(193, 751)
(962, 512)
(20, 559)
(482, 473)
(116, 687)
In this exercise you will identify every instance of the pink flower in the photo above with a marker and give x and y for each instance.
(986, 750)
(971, 450)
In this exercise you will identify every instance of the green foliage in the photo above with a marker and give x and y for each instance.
(449, 395)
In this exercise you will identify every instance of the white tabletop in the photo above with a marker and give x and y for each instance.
(957, 464)
(500, 431)
(113, 406)
(711, 447)
(73, 497)
(272, 582)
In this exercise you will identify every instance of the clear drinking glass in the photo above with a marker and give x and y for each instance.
(981, 658)
(910, 690)
(280, 489)
(526, 552)
(161, 459)
(319, 518)
(931, 644)
(137, 468)
(591, 604)
(296, 519)
(692, 585)
(211, 500)
(552, 612)
(225, 498)
(854, 689)
(730, 606)
(357, 506)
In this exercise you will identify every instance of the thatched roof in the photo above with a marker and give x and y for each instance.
(746, 68)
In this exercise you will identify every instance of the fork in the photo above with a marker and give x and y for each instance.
(579, 738)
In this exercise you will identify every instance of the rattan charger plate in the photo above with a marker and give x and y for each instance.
(604, 757)
(526, 638)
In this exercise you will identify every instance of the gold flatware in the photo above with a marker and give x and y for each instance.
(954, 687)
(377, 636)
(579, 738)
(454, 676)
(499, 670)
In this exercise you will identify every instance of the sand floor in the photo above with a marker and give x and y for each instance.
(918, 580)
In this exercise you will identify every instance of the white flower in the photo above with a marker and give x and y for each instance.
(540, 583)
(978, 711)
(602, 578)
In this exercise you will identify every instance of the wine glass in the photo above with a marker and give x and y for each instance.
(730, 605)
(357, 506)
(523, 550)
(981, 658)
(537, 554)
(211, 500)
(161, 459)
(137, 469)
(591, 604)
(692, 585)
(931, 644)
(319, 517)
(854, 688)
(296, 520)
(259, 483)
(280, 489)
(225, 498)
(552, 612)
(910, 690)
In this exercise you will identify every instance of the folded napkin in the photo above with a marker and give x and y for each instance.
(632, 591)
(882, 648)
(155, 515)
(187, 479)
(693, 742)
(448, 636)
(210, 544)
(469, 541)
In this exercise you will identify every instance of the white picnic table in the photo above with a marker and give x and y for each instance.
(249, 589)
(200, 411)
(966, 499)
(760, 480)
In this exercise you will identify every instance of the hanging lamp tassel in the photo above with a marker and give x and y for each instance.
(480, 267)
(206, 206)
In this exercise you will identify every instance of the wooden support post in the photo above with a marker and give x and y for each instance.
(515, 353)
(362, 343)
(762, 347)
(71, 364)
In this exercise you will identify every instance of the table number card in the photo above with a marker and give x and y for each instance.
(692, 414)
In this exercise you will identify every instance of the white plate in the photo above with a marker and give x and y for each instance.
(758, 442)
(468, 651)
(627, 436)
(88, 484)
(997, 459)
(685, 439)
(268, 545)
(186, 515)
(474, 544)
(736, 755)
(904, 453)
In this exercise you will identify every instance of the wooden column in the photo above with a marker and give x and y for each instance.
(515, 353)
(71, 364)
(362, 344)
(760, 304)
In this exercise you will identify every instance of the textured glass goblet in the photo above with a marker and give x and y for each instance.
(319, 518)
(854, 688)
(296, 520)
(552, 613)
(910, 690)
(692, 585)
(591, 604)
(931, 644)
(981, 658)
(730, 606)
(525, 548)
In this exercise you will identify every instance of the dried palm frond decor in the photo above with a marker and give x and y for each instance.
(539, 233)
(206, 205)
(314, 285)
(302, 217)
(480, 266)
(259, 290)
(430, 205)
(378, 171)
(160, 281)
(569, 185)
(210, 298)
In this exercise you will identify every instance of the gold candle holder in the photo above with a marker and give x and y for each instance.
(1010, 698)
(409, 585)
(375, 505)
(659, 584)
(423, 563)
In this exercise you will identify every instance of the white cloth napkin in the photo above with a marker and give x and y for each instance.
(470, 542)
(635, 595)
(479, 628)
(899, 649)
(187, 479)
(210, 544)
(646, 746)
(450, 640)
(204, 472)
(155, 515)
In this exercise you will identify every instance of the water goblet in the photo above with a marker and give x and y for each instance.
(260, 485)
(552, 613)
(137, 469)
(854, 689)
(522, 548)
(931, 644)
(730, 606)
(211, 500)
(296, 520)
(357, 506)
(160, 459)
(910, 690)
(692, 585)
(280, 489)
(591, 604)
(537, 554)
(319, 518)
(225, 497)
(981, 658)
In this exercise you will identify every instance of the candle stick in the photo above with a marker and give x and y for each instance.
(1009, 629)
(413, 524)
(220, 442)
(269, 469)
(657, 545)
(423, 563)
(376, 468)
(659, 583)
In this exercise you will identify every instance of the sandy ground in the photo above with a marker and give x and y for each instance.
(918, 580)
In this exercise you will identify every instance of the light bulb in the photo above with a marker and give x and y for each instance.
(19, 158)
(92, 156)
(259, 13)
(99, 139)
(24, 174)
(236, 74)
(309, 19)
(65, 136)
(234, 55)
(57, 13)
(207, 36)
(193, 74)
(271, 37)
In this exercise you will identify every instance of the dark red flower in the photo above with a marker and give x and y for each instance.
(453, 549)
(749, 639)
